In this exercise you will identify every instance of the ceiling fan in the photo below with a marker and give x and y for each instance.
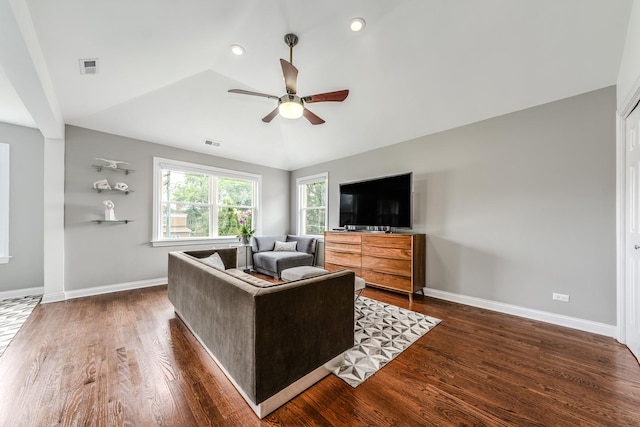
(291, 105)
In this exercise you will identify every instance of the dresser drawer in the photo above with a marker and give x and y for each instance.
(335, 267)
(400, 267)
(391, 281)
(343, 237)
(379, 251)
(387, 240)
(342, 247)
(343, 258)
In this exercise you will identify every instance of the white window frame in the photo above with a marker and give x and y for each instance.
(160, 164)
(4, 203)
(300, 186)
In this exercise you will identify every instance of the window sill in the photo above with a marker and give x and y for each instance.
(193, 242)
(4, 259)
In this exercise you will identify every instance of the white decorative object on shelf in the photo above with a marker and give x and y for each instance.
(102, 184)
(121, 186)
(109, 214)
(113, 164)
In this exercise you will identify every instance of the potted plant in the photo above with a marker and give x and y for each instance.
(245, 232)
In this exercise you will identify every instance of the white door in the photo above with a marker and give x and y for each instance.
(632, 286)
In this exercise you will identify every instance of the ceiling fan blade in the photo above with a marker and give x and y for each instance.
(247, 92)
(270, 116)
(315, 120)
(290, 76)
(337, 96)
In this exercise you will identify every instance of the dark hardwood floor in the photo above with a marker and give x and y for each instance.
(124, 359)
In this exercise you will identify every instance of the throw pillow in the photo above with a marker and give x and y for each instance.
(285, 246)
(214, 261)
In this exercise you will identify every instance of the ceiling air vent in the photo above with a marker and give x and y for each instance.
(212, 142)
(89, 66)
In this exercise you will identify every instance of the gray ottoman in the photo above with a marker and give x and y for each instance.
(302, 272)
(359, 286)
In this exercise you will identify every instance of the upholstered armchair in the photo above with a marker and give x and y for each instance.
(273, 254)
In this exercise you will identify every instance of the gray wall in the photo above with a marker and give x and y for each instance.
(106, 254)
(26, 211)
(515, 207)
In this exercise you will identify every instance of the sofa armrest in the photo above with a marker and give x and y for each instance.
(300, 326)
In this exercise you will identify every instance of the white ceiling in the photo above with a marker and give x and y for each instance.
(419, 67)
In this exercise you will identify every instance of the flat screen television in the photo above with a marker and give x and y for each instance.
(378, 203)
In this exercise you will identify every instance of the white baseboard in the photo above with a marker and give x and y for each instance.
(47, 298)
(19, 293)
(543, 316)
(98, 290)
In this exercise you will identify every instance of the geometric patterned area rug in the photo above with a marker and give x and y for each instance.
(382, 331)
(13, 314)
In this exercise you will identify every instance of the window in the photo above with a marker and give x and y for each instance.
(4, 203)
(195, 202)
(312, 204)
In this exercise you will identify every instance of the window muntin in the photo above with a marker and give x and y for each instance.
(312, 204)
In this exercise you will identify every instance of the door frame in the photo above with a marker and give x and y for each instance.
(624, 109)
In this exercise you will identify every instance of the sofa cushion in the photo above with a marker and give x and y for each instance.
(265, 243)
(305, 244)
(285, 246)
(278, 261)
(214, 261)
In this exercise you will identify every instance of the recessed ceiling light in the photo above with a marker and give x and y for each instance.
(237, 49)
(357, 24)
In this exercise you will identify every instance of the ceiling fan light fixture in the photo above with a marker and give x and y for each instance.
(236, 49)
(357, 24)
(290, 107)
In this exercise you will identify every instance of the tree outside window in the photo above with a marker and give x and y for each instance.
(312, 204)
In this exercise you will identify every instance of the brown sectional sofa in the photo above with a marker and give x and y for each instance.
(271, 340)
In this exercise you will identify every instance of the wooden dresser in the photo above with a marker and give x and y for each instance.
(391, 261)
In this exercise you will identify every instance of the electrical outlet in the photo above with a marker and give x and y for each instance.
(561, 297)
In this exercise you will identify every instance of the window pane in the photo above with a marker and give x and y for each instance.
(231, 220)
(314, 221)
(315, 194)
(184, 220)
(185, 187)
(235, 192)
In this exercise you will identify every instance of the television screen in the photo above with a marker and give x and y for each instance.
(381, 202)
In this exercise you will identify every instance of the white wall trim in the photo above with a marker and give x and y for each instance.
(118, 287)
(621, 206)
(52, 297)
(4, 202)
(543, 316)
(19, 293)
(624, 109)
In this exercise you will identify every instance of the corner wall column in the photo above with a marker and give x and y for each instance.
(53, 220)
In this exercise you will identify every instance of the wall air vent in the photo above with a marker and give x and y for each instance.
(89, 66)
(212, 142)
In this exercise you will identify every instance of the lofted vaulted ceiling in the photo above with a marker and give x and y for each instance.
(419, 67)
